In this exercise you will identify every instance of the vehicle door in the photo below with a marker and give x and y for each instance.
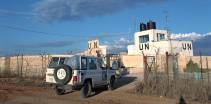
(84, 68)
(93, 71)
(103, 71)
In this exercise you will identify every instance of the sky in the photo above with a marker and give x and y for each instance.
(59, 26)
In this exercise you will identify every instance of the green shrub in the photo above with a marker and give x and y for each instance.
(192, 67)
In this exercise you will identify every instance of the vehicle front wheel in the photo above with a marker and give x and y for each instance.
(111, 83)
(86, 89)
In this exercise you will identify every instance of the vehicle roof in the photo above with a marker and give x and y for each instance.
(73, 55)
(62, 55)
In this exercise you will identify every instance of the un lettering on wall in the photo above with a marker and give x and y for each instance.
(186, 46)
(92, 44)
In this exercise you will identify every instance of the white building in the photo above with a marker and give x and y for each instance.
(152, 41)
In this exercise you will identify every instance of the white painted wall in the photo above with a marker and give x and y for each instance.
(103, 49)
(154, 45)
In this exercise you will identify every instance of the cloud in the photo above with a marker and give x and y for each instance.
(118, 46)
(201, 42)
(56, 10)
(190, 36)
(4, 12)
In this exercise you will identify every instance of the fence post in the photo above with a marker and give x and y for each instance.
(167, 65)
(27, 65)
(7, 71)
(201, 66)
(176, 66)
(45, 62)
(17, 64)
(43, 58)
(0, 69)
(208, 74)
(156, 68)
(21, 65)
(145, 69)
(42, 66)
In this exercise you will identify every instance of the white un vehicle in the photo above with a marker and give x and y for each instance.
(79, 72)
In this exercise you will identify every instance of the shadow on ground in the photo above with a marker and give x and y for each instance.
(123, 81)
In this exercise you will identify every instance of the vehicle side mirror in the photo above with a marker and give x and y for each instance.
(122, 66)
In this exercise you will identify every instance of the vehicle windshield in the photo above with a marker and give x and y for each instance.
(70, 61)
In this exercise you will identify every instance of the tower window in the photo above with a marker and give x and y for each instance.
(144, 39)
(160, 36)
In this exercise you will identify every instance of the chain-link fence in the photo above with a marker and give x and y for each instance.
(193, 85)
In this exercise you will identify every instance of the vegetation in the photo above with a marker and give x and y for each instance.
(194, 67)
(160, 85)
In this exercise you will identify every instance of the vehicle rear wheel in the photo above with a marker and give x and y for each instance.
(86, 89)
(111, 83)
(60, 91)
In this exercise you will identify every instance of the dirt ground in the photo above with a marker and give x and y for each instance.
(28, 94)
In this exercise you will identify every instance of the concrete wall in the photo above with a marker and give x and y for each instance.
(133, 62)
(183, 60)
(136, 64)
(2, 64)
(36, 66)
(25, 65)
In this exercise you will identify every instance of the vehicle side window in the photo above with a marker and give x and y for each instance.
(83, 63)
(73, 62)
(61, 60)
(115, 65)
(54, 62)
(92, 64)
(101, 64)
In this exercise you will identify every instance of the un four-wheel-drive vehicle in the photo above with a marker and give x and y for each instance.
(78, 72)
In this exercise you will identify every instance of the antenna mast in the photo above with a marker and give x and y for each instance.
(166, 13)
(167, 24)
(133, 30)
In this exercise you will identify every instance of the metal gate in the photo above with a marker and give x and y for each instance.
(149, 66)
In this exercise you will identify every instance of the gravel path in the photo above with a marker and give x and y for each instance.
(33, 95)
